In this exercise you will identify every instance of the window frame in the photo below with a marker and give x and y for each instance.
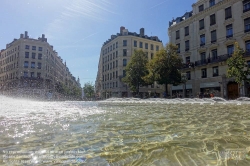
(228, 13)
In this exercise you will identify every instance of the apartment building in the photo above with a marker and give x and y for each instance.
(205, 37)
(32, 67)
(115, 55)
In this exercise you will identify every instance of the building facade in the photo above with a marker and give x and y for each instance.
(205, 37)
(115, 55)
(30, 67)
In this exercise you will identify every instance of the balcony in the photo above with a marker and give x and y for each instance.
(220, 58)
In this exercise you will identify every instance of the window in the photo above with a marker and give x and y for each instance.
(25, 74)
(38, 75)
(116, 44)
(212, 19)
(26, 64)
(113, 46)
(124, 62)
(214, 54)
(203, 73)
(124, 73)
(215, 71)
(178, 48)
(152, 47)
(230, 49)
(187, 31)
(33, 65)
(135, 43)
(229, 29)
(124, 52)
(40, 49)
(187, 45)
(188, 75)
(27, 47)
(246, 5)
(228, 13)
(203, 57)
(201, 23)
(26, 54)
(33, 55)
(213, 36)
(152, 55)
(146, 45)
(187, 59)
(177, 34)
(141, 44)
(116, 63)
(211, 3)
(247, 46)
(124, 42)
(33, 47)
(247, 24)
(201, 8)
(116, 54)
(202, 40)
(32, 74)
(39, 65)
(39, 56)
(157, 48)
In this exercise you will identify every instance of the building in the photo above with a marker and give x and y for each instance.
(31, 67)
(205, 37)
(114, 56)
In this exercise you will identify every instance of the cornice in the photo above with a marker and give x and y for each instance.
(206, 12)
(246, 36)
(213, 46)
(230, 41)
(213, 27)
(246, 15)
(202, 49)
(203, 31)
(228, 21)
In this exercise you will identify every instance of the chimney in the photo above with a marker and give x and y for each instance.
(43, 36)
(21, 36)
(121, 29)
(26, 35)
(142, 32)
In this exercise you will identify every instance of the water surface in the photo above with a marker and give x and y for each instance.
(180, 132)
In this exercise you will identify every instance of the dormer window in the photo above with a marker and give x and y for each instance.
(201, 8)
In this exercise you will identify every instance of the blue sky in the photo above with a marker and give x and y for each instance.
(78, 28)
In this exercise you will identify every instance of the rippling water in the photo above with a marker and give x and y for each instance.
(128, 132)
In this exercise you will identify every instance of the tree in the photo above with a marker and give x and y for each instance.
(88, 89)
(237, 66)
(165, 67)
(136, 70)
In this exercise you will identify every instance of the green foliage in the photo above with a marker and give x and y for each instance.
(88, 90)
(165, 67)
(237, 66)
(136, 70)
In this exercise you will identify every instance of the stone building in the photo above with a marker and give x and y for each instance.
(205, 37)
(31, 67)
(115, 55)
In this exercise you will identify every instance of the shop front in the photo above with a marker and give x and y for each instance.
(177, 91)
(212, 87)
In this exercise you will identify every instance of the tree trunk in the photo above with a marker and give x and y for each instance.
(166, 89)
